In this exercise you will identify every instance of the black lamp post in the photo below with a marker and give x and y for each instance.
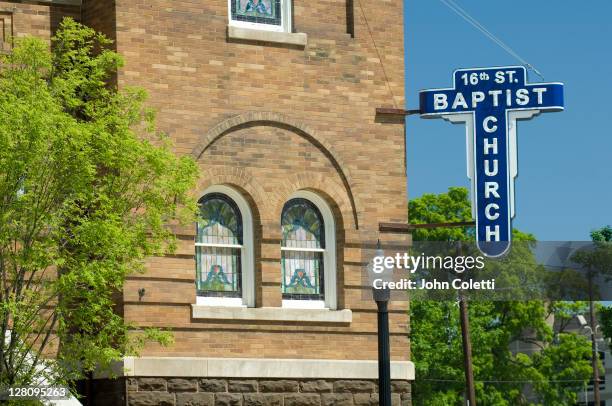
(381, 296)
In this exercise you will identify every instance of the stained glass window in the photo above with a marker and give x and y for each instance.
(218, 247)
(257, 11)
(303, 247)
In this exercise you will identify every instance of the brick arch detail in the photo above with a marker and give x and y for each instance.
(277, 119)
(236, 177)
(317, 183)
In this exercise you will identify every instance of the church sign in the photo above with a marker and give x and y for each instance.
(490, 101)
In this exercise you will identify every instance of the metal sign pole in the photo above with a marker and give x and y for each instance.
(594, 351)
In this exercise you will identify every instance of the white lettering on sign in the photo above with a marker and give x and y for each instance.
(491, 185)
(477, 97)
(440, 102)
(510, 75)
(492, 234)
(487, 127)
(522, 97)
(540, 91)
(514, 98)
(491, 188)
(488, 146)
(499, 77)
(488, 211)
(460, 100)
(488, 170)
(495, 95)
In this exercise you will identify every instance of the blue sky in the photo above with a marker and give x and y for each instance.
(564, 187)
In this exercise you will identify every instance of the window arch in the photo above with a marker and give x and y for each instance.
(224, 247)
(308, 263)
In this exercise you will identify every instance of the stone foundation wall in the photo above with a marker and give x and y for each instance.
(253, 392)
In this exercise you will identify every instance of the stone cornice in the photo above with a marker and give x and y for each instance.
(262, 368)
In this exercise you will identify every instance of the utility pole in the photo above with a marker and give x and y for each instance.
(467, 352)
(594, 351)
(468, 370)
(592, 264)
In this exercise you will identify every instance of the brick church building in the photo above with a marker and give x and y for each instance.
(276, 101)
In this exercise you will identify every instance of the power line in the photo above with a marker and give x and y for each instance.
(476, 24)
(505, 381)
(382, 65)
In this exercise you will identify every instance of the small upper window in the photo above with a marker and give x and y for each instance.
(272, 15)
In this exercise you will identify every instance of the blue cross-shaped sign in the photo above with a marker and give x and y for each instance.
(489, 101)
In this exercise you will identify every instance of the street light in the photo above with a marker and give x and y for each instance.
(595, 351)
(382, 296)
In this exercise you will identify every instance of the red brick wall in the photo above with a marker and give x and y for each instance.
(321, 135)
(40, 20)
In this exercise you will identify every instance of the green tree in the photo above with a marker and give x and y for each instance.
(597, 259)
(514, 346)
(596, 263)
(603, 234)
(600, 259)
(88, 188)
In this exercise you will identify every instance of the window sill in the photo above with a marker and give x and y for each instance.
(248, 34)
(304, 304)
(271, 314)
(219, 301)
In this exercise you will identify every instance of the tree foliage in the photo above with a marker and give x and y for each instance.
(87, 190)
(516, 347)
(603, 234)
(597, 259)
(599, 262)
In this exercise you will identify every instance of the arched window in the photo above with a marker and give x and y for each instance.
(307, 252)
(223, 254)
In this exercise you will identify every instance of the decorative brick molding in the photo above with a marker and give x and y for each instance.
(277, 119)
(238, 178)
(258, 392)
(267, 206)
(321, 185)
